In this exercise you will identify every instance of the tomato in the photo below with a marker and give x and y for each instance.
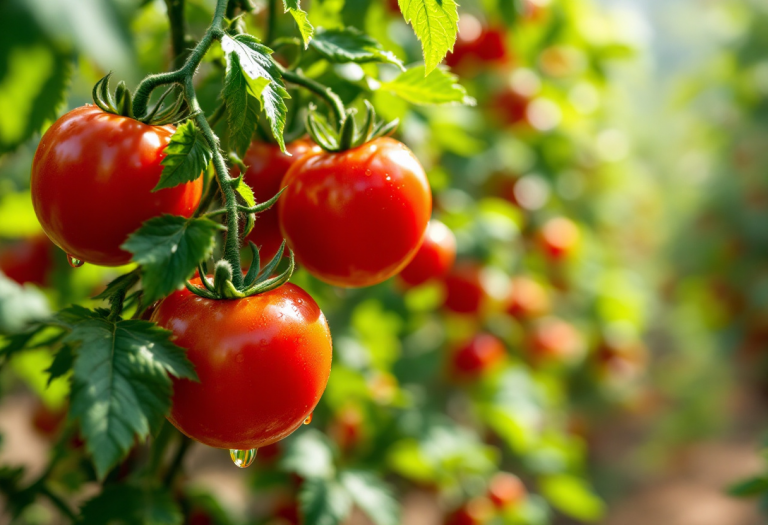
(263, 363)
(527, 298)
(477, 44)
(356, 218)
(478, 355)
(92, 180)
(267, 166)
(559, 237)
(555, 340)
(465, 293)
(347, 427)
(434, 258)
(505, 490)
(511, 107)
(47, 421)
(28, 260)
(475, 512)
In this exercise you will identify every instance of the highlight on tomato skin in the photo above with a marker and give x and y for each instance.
(263, 363)
(267, 166)
(435, 256)
(85, 204)
(356, 218)
(477, 356)
(28, 260)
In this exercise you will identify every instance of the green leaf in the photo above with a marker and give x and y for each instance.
(572, 496)
(132, 505)
(309, 455)
(121, 387)
(18, 342)
(186, 157)
(351, 45)
(436, 24)
(324, 502)
(438, 87)
(750, 487)
(245, 192)
(301, 18)
(372, 496)
(262, 76)
(242, 108)
(169, 249)
(62, 363)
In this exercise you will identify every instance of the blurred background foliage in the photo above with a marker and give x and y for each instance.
(611, 179)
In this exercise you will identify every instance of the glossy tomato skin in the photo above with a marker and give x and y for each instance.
(28, 260)
(356, 218)
(478, 355)
(263, 363)
(92, 180)
(464, 289)
(267, 166)
(435, 256)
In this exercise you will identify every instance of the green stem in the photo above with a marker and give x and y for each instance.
(178, 458)
(178, 31)
(217, 114)
(324, 92)
(271, 22)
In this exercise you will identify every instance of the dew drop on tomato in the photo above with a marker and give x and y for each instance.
(308, 420)
(74, 262)
(243, 458)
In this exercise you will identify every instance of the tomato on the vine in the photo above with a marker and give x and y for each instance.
(435, 256)
(527, 298)
(477, 356)
(505, 490)
(267, 166)
(477, 44)
(92, 180)
(263, 363)
(476, 511)
(559, 237)
(357, 217)
(27, 260)
(465, 293)
(552, 339)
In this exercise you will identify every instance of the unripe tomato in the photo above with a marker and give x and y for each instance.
(478, 355)
(263, 363)
(527, 298)
(267, 166)
(559, 237)
(434, 258)
(464, 289)
(27, 260)
(556, 340)
(357, 217)
(505, 490)
(475, 512)
(92, 180)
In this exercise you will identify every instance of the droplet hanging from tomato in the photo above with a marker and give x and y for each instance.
(74, 262)
(243, 458)
(308, 420)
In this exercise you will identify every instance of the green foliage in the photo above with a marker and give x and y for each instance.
(436, 23)
(437, 87)
(351, 45)
(372, 496)
(306, 29)
(324, 502)
(132, 505)
(186, 156)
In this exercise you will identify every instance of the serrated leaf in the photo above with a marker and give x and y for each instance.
(186, 156)
(245, 192)
(132, 505)
(169, 249)
(372, 496)
(62, 363)
(121, 386)
(351, 45)
(18, 342)
(309, 455)
(438, 87)
(324, 502)
(262, 76)
(436, 24)
(242, 108)
(301, 18)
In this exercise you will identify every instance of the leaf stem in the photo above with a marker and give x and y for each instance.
(178, 458)
(329, 97)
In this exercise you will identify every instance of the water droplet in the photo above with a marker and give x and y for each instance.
(308, 420)
(243, 458)
(73, 262)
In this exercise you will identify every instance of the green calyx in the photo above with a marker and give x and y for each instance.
(348, 135)
(258, 280)
(121, 104)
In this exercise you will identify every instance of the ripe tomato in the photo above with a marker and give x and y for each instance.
(475, 512)
(263, 363)
(434, 258)
(553, 339)
(92, 180)
(464, 289)
(477, 44)
(28, 260)
(527, 298)
(478, 355)
(505, 490)
(511, 107)
(267, 166)
(559, 237)
(356, 218)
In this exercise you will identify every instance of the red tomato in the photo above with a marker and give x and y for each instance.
(476, 43)
(527, 298)
(46, 421)
(505, 490)
(267, 166)
(478, 355)
(511, 107)
(435, 256)
(356, 218)
(263, 363)
(27, 260)
(464, 289)
(92, 180)
(556, 340)
(475, 512)
(559, 237)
